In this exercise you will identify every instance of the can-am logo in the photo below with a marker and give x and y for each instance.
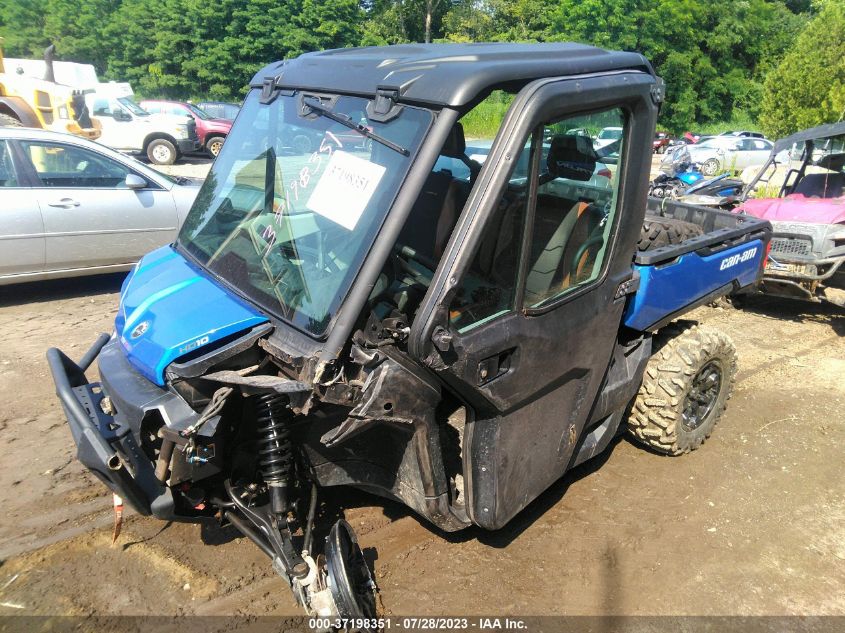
(193, 345)
(142, 327)
(733, 260)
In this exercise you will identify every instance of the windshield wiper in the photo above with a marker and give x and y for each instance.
(347, 121)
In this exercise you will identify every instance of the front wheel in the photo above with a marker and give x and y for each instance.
(214, 145)
(687, 383)
(710, 167)
(7, 120)
(162, 152)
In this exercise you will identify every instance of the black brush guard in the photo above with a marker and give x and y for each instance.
(105, 448)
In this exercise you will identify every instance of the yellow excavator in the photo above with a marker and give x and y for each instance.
(43, 103)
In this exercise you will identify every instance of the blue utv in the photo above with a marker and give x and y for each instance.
(386, 312)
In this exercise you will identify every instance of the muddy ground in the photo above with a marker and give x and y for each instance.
(753, 523)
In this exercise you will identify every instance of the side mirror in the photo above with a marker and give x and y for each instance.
(134, 181)
(120, 115)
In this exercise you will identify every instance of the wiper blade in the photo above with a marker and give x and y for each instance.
(347, 121)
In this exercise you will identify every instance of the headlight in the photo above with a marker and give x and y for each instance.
(182, 129)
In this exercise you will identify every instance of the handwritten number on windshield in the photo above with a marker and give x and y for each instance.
(306, 173)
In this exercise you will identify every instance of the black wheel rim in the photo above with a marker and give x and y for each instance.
(352, 585)
(702, 396)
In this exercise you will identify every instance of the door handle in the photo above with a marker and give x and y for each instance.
(64, 203)
(494, 366)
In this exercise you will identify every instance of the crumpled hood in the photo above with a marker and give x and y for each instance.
(796, 208)
(168, 309)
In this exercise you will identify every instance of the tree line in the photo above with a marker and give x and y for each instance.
(723, 60)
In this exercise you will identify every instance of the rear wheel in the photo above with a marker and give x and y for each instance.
(214, 144)
(658, 232)
(7, 120)
(710, 167)
(687, 383)
(162, 152)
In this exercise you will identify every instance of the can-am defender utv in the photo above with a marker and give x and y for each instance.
(446, 322)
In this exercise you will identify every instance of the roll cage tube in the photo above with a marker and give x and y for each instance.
(594, 92)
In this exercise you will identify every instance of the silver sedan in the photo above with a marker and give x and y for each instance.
(72, 207)
(729, 153)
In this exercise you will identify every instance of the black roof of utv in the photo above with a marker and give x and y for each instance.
(442, 74)
(814, 133)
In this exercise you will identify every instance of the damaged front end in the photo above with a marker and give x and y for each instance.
(236, 430)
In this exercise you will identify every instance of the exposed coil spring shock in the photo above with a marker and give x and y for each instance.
(275, 451)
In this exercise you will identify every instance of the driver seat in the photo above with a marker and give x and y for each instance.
(571, 243)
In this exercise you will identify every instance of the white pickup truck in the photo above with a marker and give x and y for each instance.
(129, 128)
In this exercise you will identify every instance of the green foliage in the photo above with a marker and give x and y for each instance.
(22, 27)
(484, 120)
(497, 21)
(808, 87)
(740, 120)
(715, 55)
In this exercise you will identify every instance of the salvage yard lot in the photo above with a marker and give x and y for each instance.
(753, 523)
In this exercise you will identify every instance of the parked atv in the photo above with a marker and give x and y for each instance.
(808, 215)
(682, 179)
(396, 317)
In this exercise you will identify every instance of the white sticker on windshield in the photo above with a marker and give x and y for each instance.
(345, 188)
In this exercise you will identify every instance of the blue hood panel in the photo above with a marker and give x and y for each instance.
(168, 310)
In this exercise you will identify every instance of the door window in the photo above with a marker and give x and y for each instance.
(575, 188)
(66, 166)
(8, 177)
(488, 288)
(102, 107)
(577, 184)
(179, 110)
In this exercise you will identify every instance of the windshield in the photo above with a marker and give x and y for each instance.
(295, 199)
(200, 113)
(611, 133)
(133, 107)
(713, 144)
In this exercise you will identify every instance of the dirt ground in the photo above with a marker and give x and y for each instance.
(751, 524)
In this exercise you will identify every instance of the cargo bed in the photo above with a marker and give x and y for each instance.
(676, 278)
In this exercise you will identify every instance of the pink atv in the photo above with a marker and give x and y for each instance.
(808, 216)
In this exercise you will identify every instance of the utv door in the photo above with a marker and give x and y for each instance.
(525, 309)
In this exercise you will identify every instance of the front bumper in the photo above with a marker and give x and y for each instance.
(804, 253)
(186, 145)
(109, 445)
